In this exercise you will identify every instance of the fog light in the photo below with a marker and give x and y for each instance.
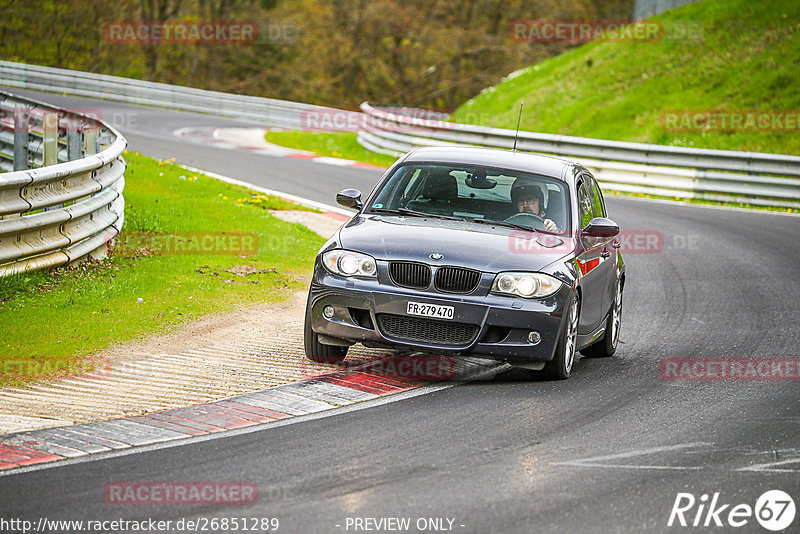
(534, 337)
(327, 311)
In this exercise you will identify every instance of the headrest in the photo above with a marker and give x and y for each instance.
(440, 185)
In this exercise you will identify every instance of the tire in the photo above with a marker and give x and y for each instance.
(607, 346)
(316, 351)
(560, 367)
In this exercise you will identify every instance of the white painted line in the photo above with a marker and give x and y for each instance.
(598, 461)
(772, 467)
(299, 200)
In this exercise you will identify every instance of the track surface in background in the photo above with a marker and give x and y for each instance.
(605, 451)
(150, 132)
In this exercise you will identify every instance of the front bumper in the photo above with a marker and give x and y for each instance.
(501, 324)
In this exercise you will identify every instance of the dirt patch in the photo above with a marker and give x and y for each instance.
(210, 359)
(215, 357)
(317, 222)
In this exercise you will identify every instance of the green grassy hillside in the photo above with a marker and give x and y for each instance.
(748, 59)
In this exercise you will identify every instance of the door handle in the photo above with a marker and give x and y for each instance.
(605, 253)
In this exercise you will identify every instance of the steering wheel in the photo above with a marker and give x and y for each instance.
(528, 219)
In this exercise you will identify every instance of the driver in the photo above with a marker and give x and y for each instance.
(529, 198)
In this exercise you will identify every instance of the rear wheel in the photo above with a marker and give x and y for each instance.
(608, 345)
(316, 351)
(560, 367)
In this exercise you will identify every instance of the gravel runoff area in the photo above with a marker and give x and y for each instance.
(212, 358)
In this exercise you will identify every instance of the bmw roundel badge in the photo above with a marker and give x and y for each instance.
(436, 256)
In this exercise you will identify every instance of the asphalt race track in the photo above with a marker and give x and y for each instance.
(606, 451)
(150, 131)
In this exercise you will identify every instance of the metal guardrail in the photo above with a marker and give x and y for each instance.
(643, 9)
(720, 175)
(263, 111)
(69, 205)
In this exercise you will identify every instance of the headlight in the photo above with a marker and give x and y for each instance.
(526, 285)
(346, 263)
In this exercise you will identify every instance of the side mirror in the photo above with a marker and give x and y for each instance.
(601, 227)
(350, 198)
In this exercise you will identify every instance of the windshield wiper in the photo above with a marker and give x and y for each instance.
(413, 213)
(506, 224)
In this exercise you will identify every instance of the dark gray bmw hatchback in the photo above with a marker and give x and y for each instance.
(470, 251)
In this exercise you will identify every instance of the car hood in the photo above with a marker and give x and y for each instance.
(476, 246)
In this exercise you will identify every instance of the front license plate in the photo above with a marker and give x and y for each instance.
(430, 310)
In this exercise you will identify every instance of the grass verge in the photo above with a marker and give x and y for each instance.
(746, 58)
(191, 246)
(337, 145)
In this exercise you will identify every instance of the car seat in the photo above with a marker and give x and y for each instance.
(556, 210)
(439, 191)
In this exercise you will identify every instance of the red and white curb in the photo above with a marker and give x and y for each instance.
(368, 382)
(252, 140)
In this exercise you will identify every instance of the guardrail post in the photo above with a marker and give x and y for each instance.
(21, 138)
(50, 127)
(90, 147)
(50, 145)
(78, 142)
(90, 142)
(74, 141)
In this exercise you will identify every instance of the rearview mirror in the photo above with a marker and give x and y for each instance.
(350, 198)
(601, 227)
(477, 181)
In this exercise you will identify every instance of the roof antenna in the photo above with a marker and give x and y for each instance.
(517, 133)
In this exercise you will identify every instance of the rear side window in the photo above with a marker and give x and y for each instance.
(585, 204)
(597, 200)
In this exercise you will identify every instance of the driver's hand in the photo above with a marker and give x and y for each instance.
(550, 225)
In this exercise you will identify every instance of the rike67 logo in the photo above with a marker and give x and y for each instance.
(774, 510)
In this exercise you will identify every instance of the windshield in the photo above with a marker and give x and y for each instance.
(475, 194)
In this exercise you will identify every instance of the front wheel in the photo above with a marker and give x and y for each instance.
(316, 351)
(608, 345)
(560, 366)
